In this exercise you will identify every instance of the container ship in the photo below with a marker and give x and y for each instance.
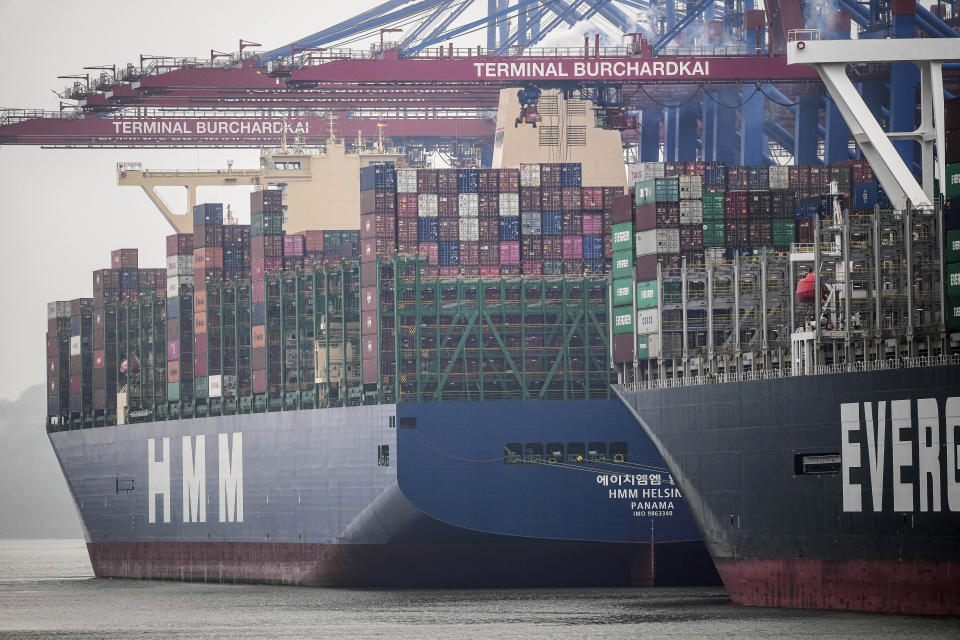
(424, 401)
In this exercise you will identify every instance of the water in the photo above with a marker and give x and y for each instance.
(47, 590)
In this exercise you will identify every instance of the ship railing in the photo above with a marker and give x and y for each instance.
(771, 374)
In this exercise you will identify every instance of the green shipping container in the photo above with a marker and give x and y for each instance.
(667, 189)
(645, 192)
(953, 180)
(622, 266)
(952, 253)
(622, 292)
(648, 346)
(200, 387)
(622, 236)
(623, 320)
(713, 206)
(647, 294)
(714, 234)
(953, 280)
(173, 391)
(953, 313)
(784, 232)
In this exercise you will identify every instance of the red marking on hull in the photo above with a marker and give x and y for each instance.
(858, 585)
(471, 565)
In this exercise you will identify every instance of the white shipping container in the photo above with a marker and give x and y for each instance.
(529, 175)
(61, 308)
(715, 253)
(216, 386)
(74, 346)
(469, 229)
(646, 242)
(427, 205)
(652, 349)
(691, 212)
(779, 177)
(635, 173)
(469, 205)
(174, 283)
(648, 321)
(654, 170)
(406, 180)
(668, 240)
(179, 265)
(509, 203)
(691, 187)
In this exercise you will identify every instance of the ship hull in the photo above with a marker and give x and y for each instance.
(879, 531)
(346, 497)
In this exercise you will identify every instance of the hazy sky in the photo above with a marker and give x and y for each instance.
(62, 212)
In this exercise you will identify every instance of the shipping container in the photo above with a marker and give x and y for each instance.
(622, 264)
(427, 205)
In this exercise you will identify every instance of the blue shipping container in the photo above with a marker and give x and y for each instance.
(468, 180)
(74, 325)
(571, 174)
(807, 208)
(259, 317)
(378, 176)
(428, 229)
(75, 403)
(208, 214)
(53, 405)
(551, 223)
(592, 247)
(129, 279)
(868, 194)
(449, 254)
(173, 308)
(510, 229)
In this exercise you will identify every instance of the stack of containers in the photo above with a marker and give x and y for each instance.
(58, 359)
(236, 251)
(125, 261)
(468, 222)
(424, 202)
(410, 230)
(657, 225)
(266, 257)
(180, 284)
(81, 358)
(622, 275)
(207, 270)
(106, 295)
(714, 232)
(378, 211)
(508, 258)
(782, 207)
(951, 213)
(294, 251)
(691, 218)
(377, 183)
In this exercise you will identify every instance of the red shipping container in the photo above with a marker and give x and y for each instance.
(368, 299)
(488, 205)
(571, 199)
(431, 251)
(448, 272)
(173, 371)
(805, 231)
(592, 198)
(180, 244)
(258, 358)
(645, 267)
(270, 200)
(490, 271)
(378, 225)
(668, 214)
(368, 347)
(98, 359)
(446, 180)
(257, 292)
(123, 259)
(607, 246)
(173, 350)
(199, 301)
(75, 384)
(407, 205)
(407, 246)
(530, 199)
(448, 230)
(533, 268)
(258, 336)
(511, 270)
(448, 205)
(552, 247)
(199, 365)
(646, 217)
(427, 181)
(572, 247)
(735, 205)
(531, 248)
(100, 398)
(509, 253)
(378, 201)
(429, 271)
(610, 194)
(371, 247)
(173, 328)
(266, 247)
(488, 181)
(470, 270)
(259, 381)
(208, 257)
(293, 245)
(572, 223)
(369, 373)
(621, 209)
(489, 253)
(509, 180)
(200, 344)
(469, 254)
(551, 199)
(368, 323)
(407, 230)
(313, 240)
(489, 229)
(623, 348)
(200, 322)
(592, 224)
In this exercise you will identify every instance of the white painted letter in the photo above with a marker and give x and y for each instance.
(158, 480)
(231, 478)
(850, 455)
(902, 455)
(928, 451)
(876, 449)
(194, 480)
(952, 420)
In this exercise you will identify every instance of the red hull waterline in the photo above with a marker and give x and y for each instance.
(857, 585)
(552, 563)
